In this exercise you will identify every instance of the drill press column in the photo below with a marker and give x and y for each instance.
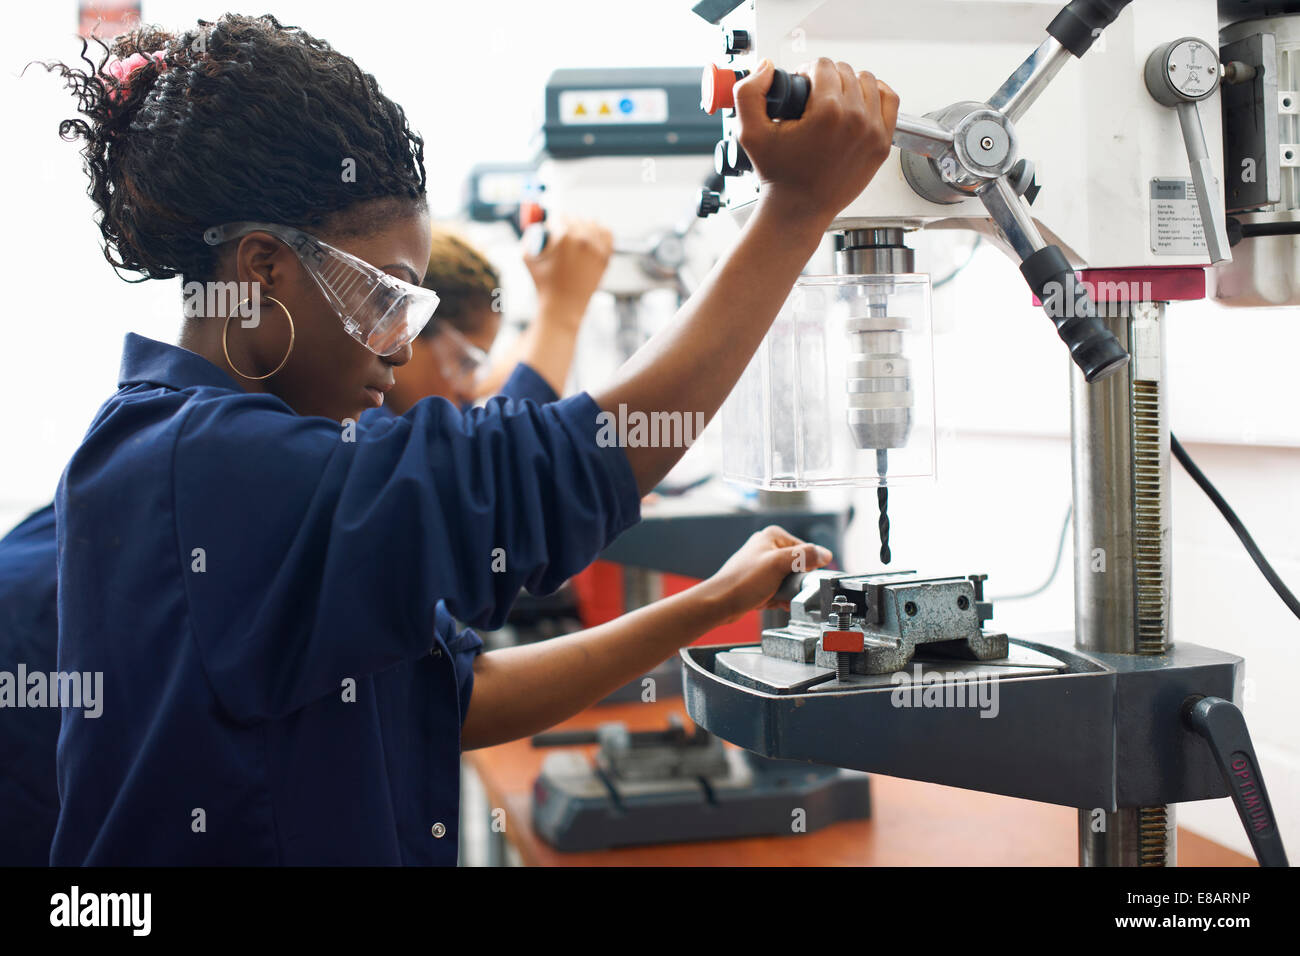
(1120, 453)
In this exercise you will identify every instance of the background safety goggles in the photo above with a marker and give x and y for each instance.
(461, 360)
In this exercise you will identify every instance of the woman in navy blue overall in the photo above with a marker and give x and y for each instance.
(269, 588)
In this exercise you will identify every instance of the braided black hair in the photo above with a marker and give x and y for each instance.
(243, 119)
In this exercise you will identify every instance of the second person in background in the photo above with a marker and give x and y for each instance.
(450, 356)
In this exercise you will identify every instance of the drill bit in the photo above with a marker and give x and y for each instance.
(882, 501)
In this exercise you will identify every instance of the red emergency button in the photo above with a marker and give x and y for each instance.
(837, 641)
(530, 213)
(717, 89)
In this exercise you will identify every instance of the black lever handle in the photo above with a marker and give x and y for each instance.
(1222, 725)
(1081, 21)
(1094, 348)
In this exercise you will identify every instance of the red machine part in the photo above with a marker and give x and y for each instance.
(530, 213)
(837, 641)
(717, 88)
(1143, 284)
(599, 592)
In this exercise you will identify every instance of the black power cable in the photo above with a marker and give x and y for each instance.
(1225, 509)
(1238, 230)
(1056, 565)
(1251, 229)
(1234, 522)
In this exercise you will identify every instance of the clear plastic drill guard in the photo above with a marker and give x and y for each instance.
(841, 391)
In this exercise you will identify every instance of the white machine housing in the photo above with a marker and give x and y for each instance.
(1096, 136)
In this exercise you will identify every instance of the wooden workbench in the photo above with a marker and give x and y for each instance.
(912, 824)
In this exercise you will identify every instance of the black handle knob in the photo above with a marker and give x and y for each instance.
(710, 202)
(1093, 347)
(788, 95)
(730, 158)
(735, 41)
(1081, 21)
(721, 164)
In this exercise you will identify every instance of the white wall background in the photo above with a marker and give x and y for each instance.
(471, 78)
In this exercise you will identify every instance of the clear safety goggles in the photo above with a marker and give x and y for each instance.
(380, 311)
(462, 361)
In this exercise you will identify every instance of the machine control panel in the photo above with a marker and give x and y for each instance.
(613, 106)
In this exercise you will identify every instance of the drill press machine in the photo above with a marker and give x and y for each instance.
(1113, 165)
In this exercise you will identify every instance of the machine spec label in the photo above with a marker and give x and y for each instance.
(1175, 219)
(587, 107)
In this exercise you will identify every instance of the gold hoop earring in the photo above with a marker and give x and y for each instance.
(225, 332)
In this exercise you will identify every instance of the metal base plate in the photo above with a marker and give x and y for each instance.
(1049, 722)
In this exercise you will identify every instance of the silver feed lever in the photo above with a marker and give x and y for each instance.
(1180, 74)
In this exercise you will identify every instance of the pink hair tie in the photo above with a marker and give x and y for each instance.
(121, 71)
